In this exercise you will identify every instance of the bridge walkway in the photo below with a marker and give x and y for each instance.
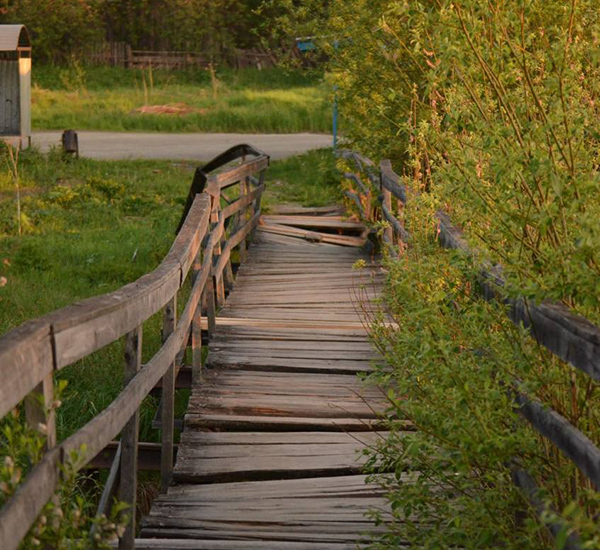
(271, 453)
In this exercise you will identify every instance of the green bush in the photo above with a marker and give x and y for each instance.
(490, 111)
(68, 521)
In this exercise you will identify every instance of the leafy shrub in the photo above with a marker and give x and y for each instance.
(110, 188)
(491, 111)
(68, 520)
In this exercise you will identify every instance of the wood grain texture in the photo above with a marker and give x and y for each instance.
(209, 457)
(272, 449)
(391, 181)
(128, 447)
(195, 544)
(325, 509)
(573, 443)
(26, 350)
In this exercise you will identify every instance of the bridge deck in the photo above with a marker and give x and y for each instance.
(271, 452)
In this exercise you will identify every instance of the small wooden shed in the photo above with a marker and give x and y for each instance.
(15, 82)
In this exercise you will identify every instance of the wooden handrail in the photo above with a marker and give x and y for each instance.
(31, 353)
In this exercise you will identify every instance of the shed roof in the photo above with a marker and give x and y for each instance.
(13, 37)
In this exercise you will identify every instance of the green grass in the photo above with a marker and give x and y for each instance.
(310, 180)
(91, 227)
(245, 101)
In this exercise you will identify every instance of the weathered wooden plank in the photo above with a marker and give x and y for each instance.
(355, 532)
(277, 239)
(312, 235)
(344, 296)
(195, 544)
(291, 210)
(342, 279)
(321, 509)
(395, 223)
(209, 457)
(222, 342)
(314, 393)
(26, 350)
(301, 248)
(288, 364)
(316, 268)
(274, 353)
(110, 487)
(282, 290)
(299, 314)
(574, 444)
(315, 261)
(40, 412)
(315, 221)
(251, 322)
(231, 422)
(303, 406)
(266, 335)
(233, 175)
(128, 448)
(320, 310)
(168, 401)
(391, 181)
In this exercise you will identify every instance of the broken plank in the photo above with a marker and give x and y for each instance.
(211, 457)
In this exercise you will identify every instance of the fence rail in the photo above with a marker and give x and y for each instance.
(570, 337)
(121, 54)
(31, 354)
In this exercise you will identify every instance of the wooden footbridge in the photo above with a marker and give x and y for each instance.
(270, 453)
(273, 434)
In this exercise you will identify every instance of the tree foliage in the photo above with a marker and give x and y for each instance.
(61, 29)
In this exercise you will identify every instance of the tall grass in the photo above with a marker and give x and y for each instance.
(274, 100)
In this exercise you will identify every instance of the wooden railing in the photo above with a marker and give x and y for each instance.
(31, 354)
(570, 337)
(121, 54)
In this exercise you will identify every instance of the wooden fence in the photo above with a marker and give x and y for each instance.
(570, 337)
(120, 54)
(31, 354)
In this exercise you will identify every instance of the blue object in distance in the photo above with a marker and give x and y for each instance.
(305, 44)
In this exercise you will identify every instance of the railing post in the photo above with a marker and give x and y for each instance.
(39, 410)
(197, 326)
(208, 305)
(243, 217)
(129, 441)
(219, 287)
(227, 276)
(388, 232)
(168, 402)
(257, 201)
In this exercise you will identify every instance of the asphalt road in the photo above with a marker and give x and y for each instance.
(200, 147)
